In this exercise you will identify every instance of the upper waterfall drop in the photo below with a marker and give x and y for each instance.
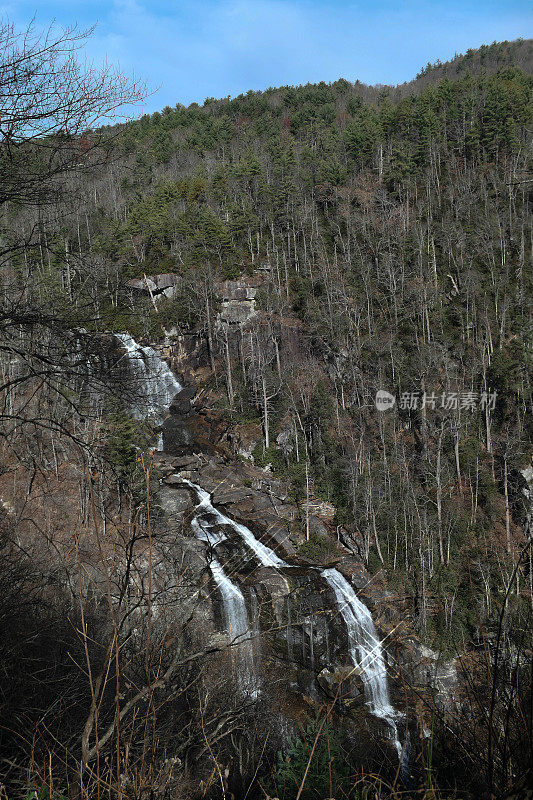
(365, 650)
(156, 384)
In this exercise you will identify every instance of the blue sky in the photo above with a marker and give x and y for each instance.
(192, 50)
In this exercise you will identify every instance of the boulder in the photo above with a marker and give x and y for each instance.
(238, 303)
(237, 290)
(142, 285)
(182, 402)
(165, 283)
(174, 502)
(154, 285)
(237, 312)
(184, 461)
(225, 495)
(178, 439)
(336, 682)
(317, 527)
(284, 441)
(261, 502)
(173, 480)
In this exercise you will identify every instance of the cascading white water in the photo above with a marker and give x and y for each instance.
(155, 384)
(205, 534)
(365, 647)
(239, 627)
(365, 650)
(265, 554)
(238, 624)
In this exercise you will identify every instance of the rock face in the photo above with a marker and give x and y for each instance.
(182, 403)
(155, 285)
(300, 650)
(238, 303)
(295, 611)
(309, 632)
(427, 668)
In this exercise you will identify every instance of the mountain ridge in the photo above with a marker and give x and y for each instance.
(484, 60)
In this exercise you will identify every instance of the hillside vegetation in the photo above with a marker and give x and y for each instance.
(395, 237)
(396, 241)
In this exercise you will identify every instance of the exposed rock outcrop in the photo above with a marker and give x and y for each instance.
(238, 302)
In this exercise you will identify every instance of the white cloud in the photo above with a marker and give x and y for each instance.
(220, 47)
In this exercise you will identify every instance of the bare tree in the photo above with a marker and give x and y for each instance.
(50, 103)
(53, 106)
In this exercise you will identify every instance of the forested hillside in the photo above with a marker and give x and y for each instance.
(386, 233)
(488, 59)
(396, 241)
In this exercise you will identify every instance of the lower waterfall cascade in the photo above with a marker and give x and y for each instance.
(159, 386)
(365, 650)
(240, 629)
(365, 647)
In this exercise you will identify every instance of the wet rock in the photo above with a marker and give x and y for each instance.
(176, 436)
(228, 495)
(173, 480)
(244, 509)
(335, 682)
(182, 402)
(358, 576)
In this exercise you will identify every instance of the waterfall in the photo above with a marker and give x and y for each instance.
(155, 388)
(365, 647)
(365, 650)
(238, 625)
(264, 554)
(155, 384)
